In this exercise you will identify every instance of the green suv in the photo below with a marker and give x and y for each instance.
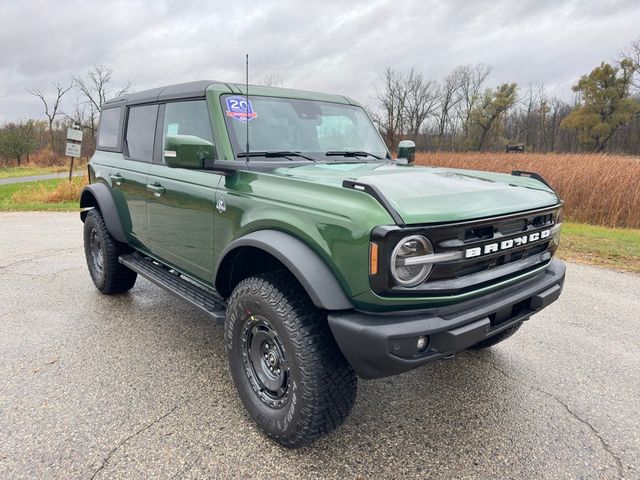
(281, 214)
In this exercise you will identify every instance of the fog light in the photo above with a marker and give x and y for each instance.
(422, 343)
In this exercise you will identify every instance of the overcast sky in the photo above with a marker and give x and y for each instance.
(327, 45)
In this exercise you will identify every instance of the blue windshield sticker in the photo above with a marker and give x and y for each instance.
(240, 108)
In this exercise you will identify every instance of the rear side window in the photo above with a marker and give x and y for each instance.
(109, 131)
(141, 127)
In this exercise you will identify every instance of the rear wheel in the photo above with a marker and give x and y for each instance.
(497, 338)
(289, 372)
(102, 252)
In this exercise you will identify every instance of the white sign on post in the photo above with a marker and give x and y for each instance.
(74, 134)
(73, 149)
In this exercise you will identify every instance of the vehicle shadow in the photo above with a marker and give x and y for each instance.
(436, 414)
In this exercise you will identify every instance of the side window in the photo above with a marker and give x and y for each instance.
(141, 127)
(187, 118)
(109, 131)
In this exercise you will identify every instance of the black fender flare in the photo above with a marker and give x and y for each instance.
(99, 195)
(306, 265)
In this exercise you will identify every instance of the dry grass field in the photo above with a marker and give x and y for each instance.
(597, 189)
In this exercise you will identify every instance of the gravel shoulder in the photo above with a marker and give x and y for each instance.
(35, 178)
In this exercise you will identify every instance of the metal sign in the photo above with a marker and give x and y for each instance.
(74, 134)
(73, 149)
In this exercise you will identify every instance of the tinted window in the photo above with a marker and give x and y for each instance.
(187, 118)
(109, 132)
(141, 128)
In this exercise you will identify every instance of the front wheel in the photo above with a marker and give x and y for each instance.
(289, 372)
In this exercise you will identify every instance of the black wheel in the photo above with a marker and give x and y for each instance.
(500, 337)
(289, 372)
(102, 252)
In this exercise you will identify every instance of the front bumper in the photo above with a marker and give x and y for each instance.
(382, 345)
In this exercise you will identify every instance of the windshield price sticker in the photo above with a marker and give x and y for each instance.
(240, 108)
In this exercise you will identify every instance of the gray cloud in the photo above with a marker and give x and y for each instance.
(329, 45)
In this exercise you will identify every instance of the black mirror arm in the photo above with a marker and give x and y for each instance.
(225, 167)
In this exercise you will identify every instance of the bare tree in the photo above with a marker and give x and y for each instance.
(449, 98)
(632, 54)
(79, 113)
(533, 99)
(392, 98)
(52, 107)
(95, 89)
(557, 111)
(272, 80)
(472, 78)
(421, 101)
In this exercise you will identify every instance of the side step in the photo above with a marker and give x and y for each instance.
(174, 283)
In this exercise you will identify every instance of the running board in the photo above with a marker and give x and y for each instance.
(175, 284)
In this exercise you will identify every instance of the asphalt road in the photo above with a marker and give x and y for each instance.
(34, 178)
(136, 386)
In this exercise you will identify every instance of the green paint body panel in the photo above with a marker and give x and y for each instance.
(183, 229)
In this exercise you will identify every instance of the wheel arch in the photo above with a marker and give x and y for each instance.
(98, 195)
(266, 250)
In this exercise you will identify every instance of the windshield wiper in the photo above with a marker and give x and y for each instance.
(277, 154)
(351, 153)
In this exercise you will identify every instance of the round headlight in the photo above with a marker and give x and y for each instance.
(404, 272)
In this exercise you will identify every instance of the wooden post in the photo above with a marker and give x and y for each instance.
(71, 168)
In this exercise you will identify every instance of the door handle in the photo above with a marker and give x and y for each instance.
(157, 189)
(117, 178)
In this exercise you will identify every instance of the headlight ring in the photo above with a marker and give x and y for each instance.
(411, 246)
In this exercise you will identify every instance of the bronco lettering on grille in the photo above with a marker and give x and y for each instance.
(506, 244)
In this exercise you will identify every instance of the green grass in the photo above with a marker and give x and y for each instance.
(617, 248)
(8, 205)
(13, 172)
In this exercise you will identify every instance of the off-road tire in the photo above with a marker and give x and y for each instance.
(102, 251)
(321, 386)
(499, 337)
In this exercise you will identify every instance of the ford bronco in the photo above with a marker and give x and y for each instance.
(281, 214)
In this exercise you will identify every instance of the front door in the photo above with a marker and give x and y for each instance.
(181, 202)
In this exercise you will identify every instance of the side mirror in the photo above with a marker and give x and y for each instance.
(407, 149)
(187, 151)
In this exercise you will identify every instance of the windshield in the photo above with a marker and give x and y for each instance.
(293, 125)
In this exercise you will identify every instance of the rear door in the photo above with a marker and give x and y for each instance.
(124, 164)
(181, 201)
(132, 176)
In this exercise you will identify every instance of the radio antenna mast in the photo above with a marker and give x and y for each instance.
(247, 98)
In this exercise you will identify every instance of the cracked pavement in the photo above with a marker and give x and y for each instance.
(136, 386)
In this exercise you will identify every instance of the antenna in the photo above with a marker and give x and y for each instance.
(247, 106)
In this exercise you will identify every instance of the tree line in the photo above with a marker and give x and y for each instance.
(18, 140)
(460, 112)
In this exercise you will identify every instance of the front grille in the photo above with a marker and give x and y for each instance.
(484, 259)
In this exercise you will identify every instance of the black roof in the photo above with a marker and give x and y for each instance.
(171, 92)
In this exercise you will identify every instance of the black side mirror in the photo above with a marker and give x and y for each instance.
(407, 149)
(187, 151)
